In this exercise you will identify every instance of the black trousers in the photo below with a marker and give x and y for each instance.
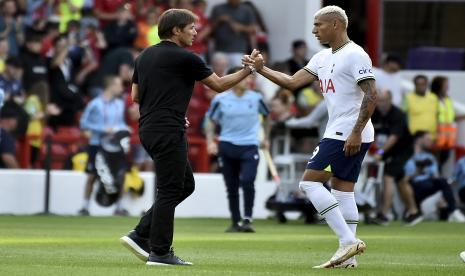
(428, 187)
(175, 182)
(239, 168)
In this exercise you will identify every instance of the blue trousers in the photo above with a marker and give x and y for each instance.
(239, 168)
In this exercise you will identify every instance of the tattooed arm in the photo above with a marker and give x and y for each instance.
(354, 141)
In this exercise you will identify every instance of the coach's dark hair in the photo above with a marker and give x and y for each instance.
(174, 18)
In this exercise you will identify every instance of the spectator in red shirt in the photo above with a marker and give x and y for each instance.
(107, 10)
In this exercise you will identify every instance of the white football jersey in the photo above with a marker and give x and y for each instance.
(339, 71)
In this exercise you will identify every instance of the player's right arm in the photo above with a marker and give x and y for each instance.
(299, 79)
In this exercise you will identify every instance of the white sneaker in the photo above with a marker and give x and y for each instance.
(344, 253)
(456, 216)
(349, 263)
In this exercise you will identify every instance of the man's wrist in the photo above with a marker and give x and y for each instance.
(356, 132)
(250, 68)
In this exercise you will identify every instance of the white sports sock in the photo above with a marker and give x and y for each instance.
(327, 206)
(348, 208)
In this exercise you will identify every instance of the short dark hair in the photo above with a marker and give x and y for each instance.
(393, 57)
(417, 77)
(298, 43)
(437, 84)
(174, 18)
(419, 134)
(32, 36)
(13, 61)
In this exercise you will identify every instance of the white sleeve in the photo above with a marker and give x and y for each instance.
(313, 119)
(361, 67)
(312, 66)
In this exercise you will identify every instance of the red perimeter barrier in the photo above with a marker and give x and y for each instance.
(198, 154)
(65, 141)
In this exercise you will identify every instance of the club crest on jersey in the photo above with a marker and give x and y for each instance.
(327, 86)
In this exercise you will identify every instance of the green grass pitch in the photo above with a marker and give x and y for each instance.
(41, 245)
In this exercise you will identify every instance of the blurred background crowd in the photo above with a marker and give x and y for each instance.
(58, 55)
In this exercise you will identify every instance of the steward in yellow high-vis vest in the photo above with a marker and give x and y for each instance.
(447, 129)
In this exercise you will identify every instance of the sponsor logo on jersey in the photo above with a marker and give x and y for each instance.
(364, 71)
(327, 86)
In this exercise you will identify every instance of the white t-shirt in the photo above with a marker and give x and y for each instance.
(339, 73)
(394, 83)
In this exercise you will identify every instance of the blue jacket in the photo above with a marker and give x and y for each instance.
(101, 114)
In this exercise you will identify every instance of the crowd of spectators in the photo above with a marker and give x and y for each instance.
(56, 54)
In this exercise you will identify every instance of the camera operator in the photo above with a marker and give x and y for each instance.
(421, 171)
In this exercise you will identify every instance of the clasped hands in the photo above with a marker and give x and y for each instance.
(254, 61)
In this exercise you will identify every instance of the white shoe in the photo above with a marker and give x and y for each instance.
(344, 253)
(349, 263)
(456, 216)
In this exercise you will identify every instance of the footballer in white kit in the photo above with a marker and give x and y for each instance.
(339, 71)
(347, 83)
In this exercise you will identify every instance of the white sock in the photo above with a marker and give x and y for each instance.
(348, 208)
(85, 204)
(327, 206)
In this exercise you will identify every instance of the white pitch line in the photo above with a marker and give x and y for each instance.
(418, 264)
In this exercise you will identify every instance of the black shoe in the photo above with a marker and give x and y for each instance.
(138, 245)
(247, 226)
(168, 259)
(83, 212)
(381, 220)
(413, 219)
(235, 228)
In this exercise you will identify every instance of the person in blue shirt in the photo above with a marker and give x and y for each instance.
(237, 113)
(422, 172)
(459, 179)
(103, 115)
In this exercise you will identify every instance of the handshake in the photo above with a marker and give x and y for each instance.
(254, 61)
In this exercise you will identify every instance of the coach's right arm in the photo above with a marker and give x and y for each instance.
(226, 82)
(299, 79)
